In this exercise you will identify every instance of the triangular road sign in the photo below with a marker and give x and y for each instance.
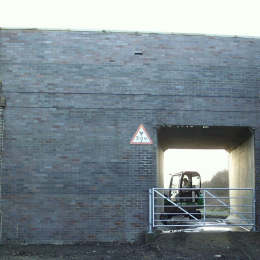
(141, 136)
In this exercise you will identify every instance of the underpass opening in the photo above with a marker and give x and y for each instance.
(211, 164)
(237, 141)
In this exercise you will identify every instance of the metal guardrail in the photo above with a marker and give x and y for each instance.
(194, 207)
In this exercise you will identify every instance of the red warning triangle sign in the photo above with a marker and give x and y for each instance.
(141, 136)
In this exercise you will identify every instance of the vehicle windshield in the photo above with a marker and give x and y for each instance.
(195, 182)
(190, 180)
(175, 182)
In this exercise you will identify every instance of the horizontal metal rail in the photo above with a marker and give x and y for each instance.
(191, 221)
(158, 197)
(199, 224)
(242, 206)
(207, 207)
(245, 189)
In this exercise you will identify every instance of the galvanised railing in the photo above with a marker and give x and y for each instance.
(205, 207)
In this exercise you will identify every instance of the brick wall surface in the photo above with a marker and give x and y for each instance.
(75, 99)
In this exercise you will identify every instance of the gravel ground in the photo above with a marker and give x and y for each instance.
(180, 245)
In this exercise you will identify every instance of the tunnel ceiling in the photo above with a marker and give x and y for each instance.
(201, 137)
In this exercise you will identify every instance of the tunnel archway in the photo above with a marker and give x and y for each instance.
(238, 141)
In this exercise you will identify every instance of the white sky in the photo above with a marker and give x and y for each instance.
(221, 17)
(206, 162)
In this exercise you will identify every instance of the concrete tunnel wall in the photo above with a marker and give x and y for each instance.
(74, 101)
(242, 175)
(242, 165)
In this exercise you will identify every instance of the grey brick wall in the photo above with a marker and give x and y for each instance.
(75, 99)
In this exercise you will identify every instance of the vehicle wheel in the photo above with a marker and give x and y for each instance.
(164, 217)
(197, 215)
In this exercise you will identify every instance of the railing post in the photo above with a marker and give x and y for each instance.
(253, 209)
(204, 211)
(150, 228)
(153, 207)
